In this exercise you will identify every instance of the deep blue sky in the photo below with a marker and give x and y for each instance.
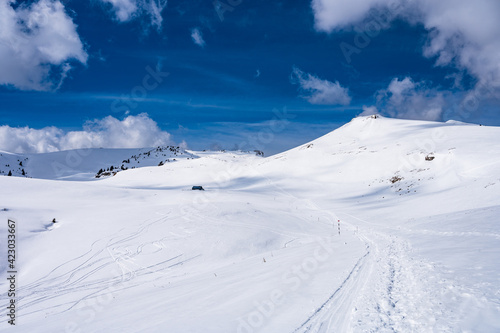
(211, 87)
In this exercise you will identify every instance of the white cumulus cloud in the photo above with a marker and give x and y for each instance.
(127, 10)
(409, 100)
(132, 132)
(124, 9)
(336, 14)
(197, 37)
(318, 91)
(37, 44)
(461, 33)
(369, 110)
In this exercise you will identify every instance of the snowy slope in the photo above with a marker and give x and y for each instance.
(444, 215)
(84, 164)
(262, 249)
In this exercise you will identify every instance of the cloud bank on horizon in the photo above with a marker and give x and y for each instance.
(462, 34)
(132, 132)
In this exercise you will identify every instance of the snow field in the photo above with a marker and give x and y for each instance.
(259, 250)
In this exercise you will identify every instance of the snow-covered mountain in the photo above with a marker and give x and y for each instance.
(85, 164)
(381, 225)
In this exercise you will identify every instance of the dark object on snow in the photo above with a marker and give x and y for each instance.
(395, 179)
(429, 158)
(54, 220)
(199, 188)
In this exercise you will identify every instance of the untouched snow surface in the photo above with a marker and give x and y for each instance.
(417, 247)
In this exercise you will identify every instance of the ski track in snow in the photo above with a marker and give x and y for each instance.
(327, 316)
(384, 292)
(64, 279)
